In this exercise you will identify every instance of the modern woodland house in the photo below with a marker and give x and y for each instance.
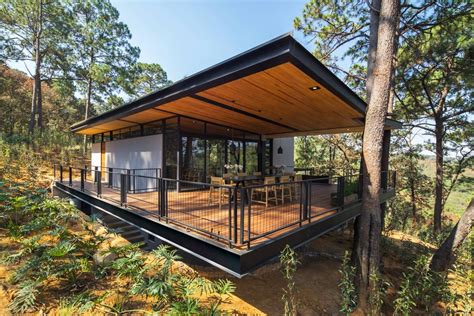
(206, 164)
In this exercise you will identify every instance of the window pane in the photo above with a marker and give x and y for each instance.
(153, 128)
(192, 164)
(235, 152)
(215, 157)
(251, 157)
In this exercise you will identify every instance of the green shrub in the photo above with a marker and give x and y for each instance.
(347, 287)
(289, 263)
(421, 288)
(378, 292)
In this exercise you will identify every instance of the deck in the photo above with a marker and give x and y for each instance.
(237, 236)
(199, 212)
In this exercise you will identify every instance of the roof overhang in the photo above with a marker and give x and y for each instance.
(277, 88)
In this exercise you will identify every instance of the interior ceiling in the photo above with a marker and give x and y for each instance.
(275, 101)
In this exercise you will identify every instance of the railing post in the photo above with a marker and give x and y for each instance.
(111, 175)
(83, 175)
(95, 173)
(340, 191)
(162, 197)
(98, 176)
(165, 199)
(309, 200)
(249, 215)
(85, 172)
(305, 200)
(230, 215)
(242, 214)
(301, 200)
(70, 176)
(128, 182)
(158, 190)
(235, 214)
(54, 172)
(134, 181)
(123, 189)
(61, 173)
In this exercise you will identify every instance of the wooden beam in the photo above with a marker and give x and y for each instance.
(220, 105)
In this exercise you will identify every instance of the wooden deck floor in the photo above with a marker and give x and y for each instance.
(196, 212)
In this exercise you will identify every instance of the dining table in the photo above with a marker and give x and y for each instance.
(240, 180)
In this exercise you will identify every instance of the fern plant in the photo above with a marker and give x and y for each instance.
(25, 296)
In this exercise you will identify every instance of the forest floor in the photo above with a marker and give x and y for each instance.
(260, 293)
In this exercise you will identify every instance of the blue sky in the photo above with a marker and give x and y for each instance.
(187, 36)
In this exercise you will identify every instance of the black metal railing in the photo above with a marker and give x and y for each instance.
(238, 215)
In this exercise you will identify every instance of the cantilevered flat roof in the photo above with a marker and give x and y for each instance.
(275, 89)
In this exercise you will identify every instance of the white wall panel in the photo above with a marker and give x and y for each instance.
(287, 158)
(135, 153)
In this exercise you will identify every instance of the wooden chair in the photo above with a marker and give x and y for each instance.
(286, 189)
(296, 187)
(216, 186)
(257, 173)
(241, 174)
(269, 187)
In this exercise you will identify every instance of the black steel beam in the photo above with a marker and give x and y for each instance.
(252, 260)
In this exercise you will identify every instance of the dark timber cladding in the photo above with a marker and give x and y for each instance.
(277, 88)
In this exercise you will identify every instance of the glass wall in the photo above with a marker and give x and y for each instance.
(206, 148)
(195, 150)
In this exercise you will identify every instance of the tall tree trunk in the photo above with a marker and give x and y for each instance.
(88, 98)
(39, 99)
(36, 99)
(373, 29)
(444, 256)
(87, 110)
(438, 207)
(367, 251)
(32, 123)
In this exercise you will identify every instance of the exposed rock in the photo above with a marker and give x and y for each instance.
(101, 258)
